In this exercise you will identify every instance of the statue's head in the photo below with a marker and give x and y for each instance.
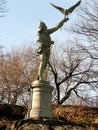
(42, 25)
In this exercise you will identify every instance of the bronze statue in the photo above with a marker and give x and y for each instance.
(44, 40)
(66, 12)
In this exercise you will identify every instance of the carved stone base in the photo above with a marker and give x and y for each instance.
(41, 99)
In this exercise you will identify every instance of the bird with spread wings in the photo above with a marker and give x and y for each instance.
(66, 12)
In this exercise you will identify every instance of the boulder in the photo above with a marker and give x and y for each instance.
(46, 124)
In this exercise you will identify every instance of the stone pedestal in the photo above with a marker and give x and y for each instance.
(41, 99)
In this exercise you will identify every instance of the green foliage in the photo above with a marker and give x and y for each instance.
(84, 121)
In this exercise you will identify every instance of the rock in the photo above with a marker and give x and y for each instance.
(10, 111)
(48, 124)
(3, 127)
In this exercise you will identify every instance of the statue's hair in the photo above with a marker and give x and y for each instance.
(44, 25)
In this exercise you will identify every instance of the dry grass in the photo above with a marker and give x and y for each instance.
(82, 114)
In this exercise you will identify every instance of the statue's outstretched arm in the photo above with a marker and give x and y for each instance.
(59, 25)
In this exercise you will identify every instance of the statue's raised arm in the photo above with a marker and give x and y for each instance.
(59, 25)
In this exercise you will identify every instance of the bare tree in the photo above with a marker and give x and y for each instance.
(86, 32)
(3, 8)
(87, 26)
(17, 71)
(71, 72)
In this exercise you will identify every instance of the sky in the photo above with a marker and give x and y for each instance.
(20, 24)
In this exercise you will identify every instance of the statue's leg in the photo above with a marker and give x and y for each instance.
(42, 66)
(47, 59)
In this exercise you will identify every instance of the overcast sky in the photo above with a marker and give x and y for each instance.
(20, 24)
